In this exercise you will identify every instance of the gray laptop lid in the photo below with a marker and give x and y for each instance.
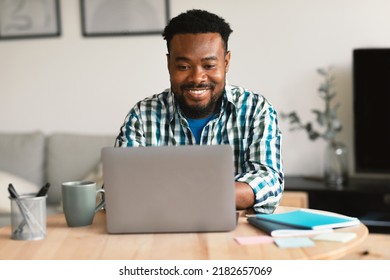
(169, 189)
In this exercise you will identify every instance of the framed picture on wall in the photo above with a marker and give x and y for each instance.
(29, 19)
(123, 17)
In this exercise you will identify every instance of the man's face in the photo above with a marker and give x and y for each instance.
(197, 66)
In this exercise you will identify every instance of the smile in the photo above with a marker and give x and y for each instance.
(197, 94)
(197, 91)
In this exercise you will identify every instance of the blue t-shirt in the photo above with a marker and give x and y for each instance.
(197, 125)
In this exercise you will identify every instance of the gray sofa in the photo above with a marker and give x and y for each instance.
(55, 158)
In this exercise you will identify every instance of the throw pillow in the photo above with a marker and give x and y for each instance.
(23, 154)
(22, 186)
(96, 175)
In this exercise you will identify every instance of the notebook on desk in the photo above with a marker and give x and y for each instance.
(169, 189)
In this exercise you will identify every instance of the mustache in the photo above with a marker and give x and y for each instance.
(197, 86)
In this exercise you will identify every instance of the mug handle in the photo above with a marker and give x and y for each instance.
(102, 201)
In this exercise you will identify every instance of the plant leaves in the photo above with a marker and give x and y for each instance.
(336, 125)
(320, 117)
(327, 118)
(324, 87)
(313, 135)
(293, 117)
(321, 71)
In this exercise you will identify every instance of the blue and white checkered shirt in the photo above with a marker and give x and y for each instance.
(246, 121)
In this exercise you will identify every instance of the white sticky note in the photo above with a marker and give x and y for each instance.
(336, 236)
(294, 242)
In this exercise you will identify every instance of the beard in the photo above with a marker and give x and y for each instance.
(199, 111)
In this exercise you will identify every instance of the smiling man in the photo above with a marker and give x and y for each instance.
(197, 65)
(201, 108)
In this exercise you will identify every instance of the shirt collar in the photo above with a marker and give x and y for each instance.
(228, 94)
(171, 104)
(228, 100)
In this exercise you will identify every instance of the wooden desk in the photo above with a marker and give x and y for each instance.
(93, 242)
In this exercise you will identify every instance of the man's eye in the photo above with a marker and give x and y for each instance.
(182, 67)
(209, 66)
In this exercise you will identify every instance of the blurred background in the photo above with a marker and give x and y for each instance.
(74, 83)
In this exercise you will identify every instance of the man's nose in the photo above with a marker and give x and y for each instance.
(198, 75)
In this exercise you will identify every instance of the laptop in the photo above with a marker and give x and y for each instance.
(169, 189)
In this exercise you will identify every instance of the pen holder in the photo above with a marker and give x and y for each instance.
(28, 217)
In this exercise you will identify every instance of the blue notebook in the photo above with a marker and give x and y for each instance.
(280, 230)
(307, 219)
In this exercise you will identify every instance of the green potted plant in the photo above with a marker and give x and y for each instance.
(336, 170)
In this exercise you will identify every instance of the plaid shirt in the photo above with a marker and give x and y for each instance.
(246, 121)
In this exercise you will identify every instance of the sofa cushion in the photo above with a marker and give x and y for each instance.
(96, 175)
(22, 154)
(72, 157)
(21, 186)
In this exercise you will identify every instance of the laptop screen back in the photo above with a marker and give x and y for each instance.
(169, 189)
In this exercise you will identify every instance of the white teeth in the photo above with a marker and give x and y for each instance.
(198, 92)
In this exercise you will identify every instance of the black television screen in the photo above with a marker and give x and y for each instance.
(371, 93)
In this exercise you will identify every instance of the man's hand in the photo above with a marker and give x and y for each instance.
(245, 197)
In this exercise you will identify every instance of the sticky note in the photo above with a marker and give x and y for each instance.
(294, 242)
(249, 240)
(336, 236)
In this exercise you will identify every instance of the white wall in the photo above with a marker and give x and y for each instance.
(77, 84)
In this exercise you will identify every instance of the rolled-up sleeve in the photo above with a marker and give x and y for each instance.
(262, 168)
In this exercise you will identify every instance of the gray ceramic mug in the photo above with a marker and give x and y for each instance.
(79, 202)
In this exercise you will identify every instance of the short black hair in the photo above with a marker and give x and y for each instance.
(195, 22)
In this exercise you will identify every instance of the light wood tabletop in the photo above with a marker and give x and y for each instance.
(94, 243)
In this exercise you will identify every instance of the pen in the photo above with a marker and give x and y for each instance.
(15, 196)
(42, 192)
(12, 191)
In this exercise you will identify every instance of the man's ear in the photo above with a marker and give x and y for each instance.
(168, 63)
(227, 61)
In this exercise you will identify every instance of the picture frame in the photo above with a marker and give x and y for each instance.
(21, 19)
(124, 17)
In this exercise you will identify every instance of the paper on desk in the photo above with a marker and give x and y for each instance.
(293, 242)
(249, 240)
(336, 236)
